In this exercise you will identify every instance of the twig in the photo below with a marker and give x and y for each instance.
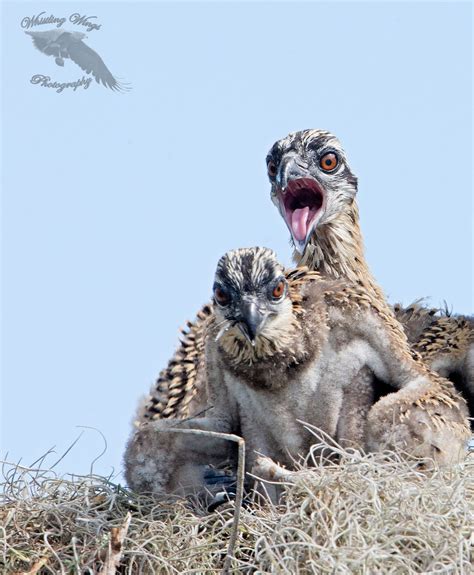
(265, 469)
(91, 472)
(35, 567)
(67, 450)
(240, 484)
(58, 559)
(115, 551)
(41, 459)
(76, 556)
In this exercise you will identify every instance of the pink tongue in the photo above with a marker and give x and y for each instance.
(299, 221)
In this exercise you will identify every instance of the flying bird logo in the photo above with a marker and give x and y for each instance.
(62, 45)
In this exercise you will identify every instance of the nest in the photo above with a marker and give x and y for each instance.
(365, 514)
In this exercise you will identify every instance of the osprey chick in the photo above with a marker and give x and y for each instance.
(288, 346)
(314, 189)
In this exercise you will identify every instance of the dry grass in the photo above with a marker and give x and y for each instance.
(367, 514)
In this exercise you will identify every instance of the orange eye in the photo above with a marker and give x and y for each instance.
(221, 296)
(272, 169)
(329, 162)
(279, 290)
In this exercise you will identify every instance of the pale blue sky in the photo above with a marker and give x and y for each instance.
(116, 207)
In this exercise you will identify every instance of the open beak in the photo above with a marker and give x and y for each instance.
(300, 199)
(251, 320)
(301, 203)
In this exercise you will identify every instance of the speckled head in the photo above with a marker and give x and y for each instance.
(311, 181)
(251, 296)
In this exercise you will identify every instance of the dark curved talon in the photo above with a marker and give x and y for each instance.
(228, 494)
(213, 476)
(220, 498)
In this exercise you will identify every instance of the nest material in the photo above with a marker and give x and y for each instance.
(365, 514)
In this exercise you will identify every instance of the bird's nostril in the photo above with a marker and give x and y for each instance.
(301, 163)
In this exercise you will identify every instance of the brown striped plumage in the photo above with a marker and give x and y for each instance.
(180, 389)
(415, 318)
(314, 352)
(335, 249)
(352, 298)
(445, 335)
(442, 391)
(178, 384)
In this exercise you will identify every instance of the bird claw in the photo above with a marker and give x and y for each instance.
(220, 498)
(214, 476)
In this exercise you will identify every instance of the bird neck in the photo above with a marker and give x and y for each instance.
(337, 251)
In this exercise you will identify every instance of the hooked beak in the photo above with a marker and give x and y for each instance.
(252, 319)
(300, 199)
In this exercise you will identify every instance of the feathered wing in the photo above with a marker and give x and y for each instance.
(42, 41)
(92, 63)
(181, 388)
(415, 318)
(445, 342)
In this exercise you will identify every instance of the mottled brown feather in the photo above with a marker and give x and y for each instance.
(337, 252)
(177, 385)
